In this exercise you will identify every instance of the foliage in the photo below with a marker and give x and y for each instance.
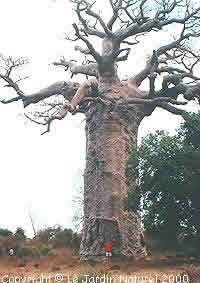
(59, 237)
(43, 244)
(5, 232)
(27, 251)
(20, 233)
(168, 189)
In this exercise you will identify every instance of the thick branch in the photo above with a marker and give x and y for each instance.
(68, 90)
(115, 9)
(171, 108)
(88, 69)
(150, 67)
(85, 51)
(12, 84)
(10, 100)
(172, 70)
(82, 92)
(155, 101)
(123, 57)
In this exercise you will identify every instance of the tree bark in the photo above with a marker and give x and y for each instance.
(111, 133)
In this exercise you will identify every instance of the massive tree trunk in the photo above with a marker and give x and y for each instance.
(112, 123)
(111, 133)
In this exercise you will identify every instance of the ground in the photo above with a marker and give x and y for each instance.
(62, 266)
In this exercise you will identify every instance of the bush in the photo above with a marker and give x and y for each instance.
(5, 233)
(189, 243)
(75, 242)
(28, 251)
(59, 237)
(9, 242)
(44, 250)
(20, 233)
(63, 238)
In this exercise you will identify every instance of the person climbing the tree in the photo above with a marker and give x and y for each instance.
(108, 251)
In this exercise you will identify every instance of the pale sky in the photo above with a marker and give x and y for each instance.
(41, 174)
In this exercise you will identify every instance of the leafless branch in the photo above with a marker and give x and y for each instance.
(107, 31)
(59, 116)
(150, 67)
(121, 58)
(154, 101)
(85, 24)
(85, 51)
(159, 20)
(93, 52)
(8, 66)
(115, 8)
(171, 109)
(88, 69)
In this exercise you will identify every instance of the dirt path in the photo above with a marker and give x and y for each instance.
(47, 270)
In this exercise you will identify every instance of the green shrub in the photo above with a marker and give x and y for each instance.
(44, 250)
(5, 232)
(20, 233)
(27, 251)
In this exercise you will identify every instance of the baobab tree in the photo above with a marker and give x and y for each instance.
(115, 108)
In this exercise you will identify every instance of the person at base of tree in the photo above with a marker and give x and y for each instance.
(108, 251)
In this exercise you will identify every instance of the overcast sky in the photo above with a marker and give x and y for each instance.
(38, 173)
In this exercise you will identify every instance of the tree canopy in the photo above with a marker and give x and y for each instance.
(169, 175)
(175, 63)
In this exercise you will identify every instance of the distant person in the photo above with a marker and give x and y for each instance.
(108, 251)
(11, 252)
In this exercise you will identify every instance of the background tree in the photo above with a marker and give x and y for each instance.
(5, 232)
(115, 108)
(20, 233)
(168, 187)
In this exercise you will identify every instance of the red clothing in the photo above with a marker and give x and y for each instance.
(108, 247)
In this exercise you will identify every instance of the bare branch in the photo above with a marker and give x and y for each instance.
(158, 22)
(121, 58)
(106, 29)
(154, 101)
(152, 78)
(8, 66)
(59, 116)
(174, 44)
(10, 100)
(86, 28)
(171, 108)
(115, 9)
(12, 84)
(183, 20)
(94, 53)
(67, 90)
(82, 92)
(172, 70)
(88, 69)
(85, 51)
(166, 11)
(150, 67)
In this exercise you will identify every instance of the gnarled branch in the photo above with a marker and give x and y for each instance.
(150, 67)
(93, 52)
(88, 69)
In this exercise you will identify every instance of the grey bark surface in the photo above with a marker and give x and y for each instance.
(111, 132)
